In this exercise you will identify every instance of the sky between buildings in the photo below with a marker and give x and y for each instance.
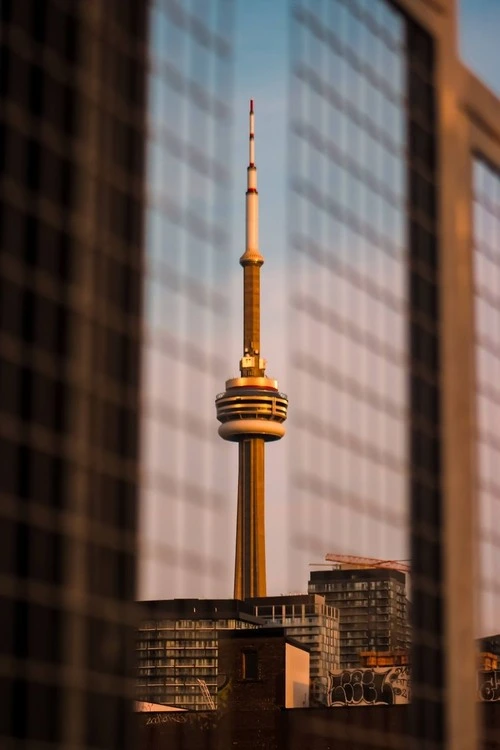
(262, 72)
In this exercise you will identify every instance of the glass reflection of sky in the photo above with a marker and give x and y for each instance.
(349, 323)
(355, 121)
(487, 309)
(187, 240)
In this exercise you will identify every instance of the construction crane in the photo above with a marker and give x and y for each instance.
(367, 562)
(206, 693)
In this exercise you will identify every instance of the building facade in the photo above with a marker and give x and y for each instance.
(71, 260)
(372, 609)
(394, 207)
(177, 649)
(310, 620)
(264, 666)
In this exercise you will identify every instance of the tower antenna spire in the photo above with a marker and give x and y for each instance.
(251, 363)
(252, 255)
(252, 409)
(251, 140)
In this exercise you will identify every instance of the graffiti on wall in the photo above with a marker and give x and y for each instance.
(390, 686)
(488, 685)
(369, 687)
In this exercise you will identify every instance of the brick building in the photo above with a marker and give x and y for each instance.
(264, 667)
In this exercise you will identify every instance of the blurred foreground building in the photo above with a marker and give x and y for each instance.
(72, 117)
(76, 79)
(397, 155)
(489, 644)
(395, 268)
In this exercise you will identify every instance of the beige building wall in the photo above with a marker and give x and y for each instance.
(296, 677)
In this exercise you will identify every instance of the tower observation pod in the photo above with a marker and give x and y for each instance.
(252, 409)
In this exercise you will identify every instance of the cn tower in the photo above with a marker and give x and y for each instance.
(252, 409)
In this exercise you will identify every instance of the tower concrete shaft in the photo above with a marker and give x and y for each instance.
(250, 564)
(252, 409)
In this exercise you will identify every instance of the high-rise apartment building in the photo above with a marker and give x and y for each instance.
(72, 122)
(177, 649)
(372, 609)
(310, 620)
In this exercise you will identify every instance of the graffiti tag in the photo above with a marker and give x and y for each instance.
(364, 687)
(165, 718)
(356, 687)
(488, 685)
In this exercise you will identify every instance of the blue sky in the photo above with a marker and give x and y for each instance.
(479, 28)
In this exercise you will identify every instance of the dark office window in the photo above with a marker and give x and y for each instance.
(250, 665)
